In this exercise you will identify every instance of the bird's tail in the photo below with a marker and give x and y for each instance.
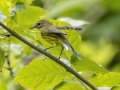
(67, 44)
(69, 28)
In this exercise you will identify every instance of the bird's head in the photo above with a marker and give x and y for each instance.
(41, 23)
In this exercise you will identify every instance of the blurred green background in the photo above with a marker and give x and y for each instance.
(100, 38)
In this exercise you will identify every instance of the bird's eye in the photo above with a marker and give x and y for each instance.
(38, 24)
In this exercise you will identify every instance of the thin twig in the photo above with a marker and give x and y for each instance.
(9, 66)
(7, 56)
(50, 56)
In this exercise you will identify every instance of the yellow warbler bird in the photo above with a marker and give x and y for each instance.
(54, 35)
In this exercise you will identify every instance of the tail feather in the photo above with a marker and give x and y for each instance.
(69, 28)
(72, 49)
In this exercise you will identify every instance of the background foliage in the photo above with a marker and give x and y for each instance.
(100, 42)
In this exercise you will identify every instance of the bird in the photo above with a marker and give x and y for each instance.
(54, 35)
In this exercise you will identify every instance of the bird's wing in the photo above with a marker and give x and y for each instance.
(53, 29)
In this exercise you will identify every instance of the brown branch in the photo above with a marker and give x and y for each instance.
(49, 55)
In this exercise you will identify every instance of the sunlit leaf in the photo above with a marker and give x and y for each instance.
(30, 16)
(107, 79)
(12, 21)
(75, 40)
(3, 85)
(69, 86)
(2, 33)
(2, 59)
(87, 65)
(5, 6)
(41, 74)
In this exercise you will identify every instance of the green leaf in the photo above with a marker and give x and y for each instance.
(2, 59)
(12, 21)
(5, 6)
(2, 32)
(69, 86)
(30, 16)
(2, 35)
(41, 74)
(115, 88)
(107, 79)
(75, 40)
(86, 65)
(3, 84)
(20, 6)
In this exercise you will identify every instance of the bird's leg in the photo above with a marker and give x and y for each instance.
(49, 48)
(61, 52)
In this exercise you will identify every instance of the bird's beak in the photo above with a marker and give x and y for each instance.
(33, 27)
